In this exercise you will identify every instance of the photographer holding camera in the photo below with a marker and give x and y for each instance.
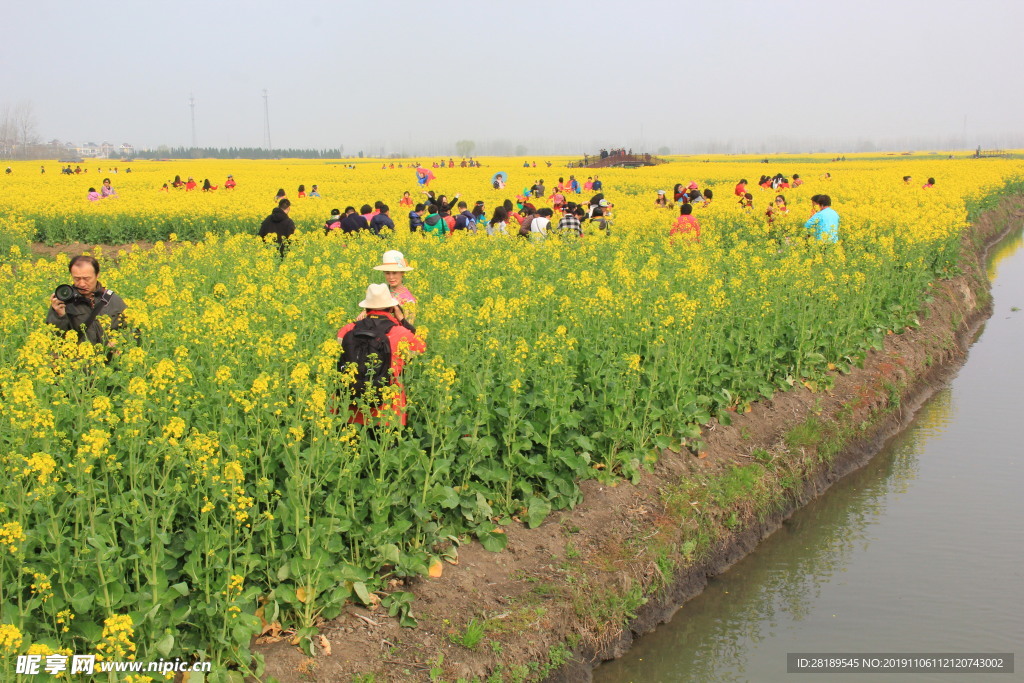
(77, 307)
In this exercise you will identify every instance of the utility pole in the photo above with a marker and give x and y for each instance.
(192, 106)
(266, 123)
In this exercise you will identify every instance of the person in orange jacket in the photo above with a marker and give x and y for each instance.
(382, 317)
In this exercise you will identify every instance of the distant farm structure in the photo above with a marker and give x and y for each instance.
(989, 153)
(617, 158)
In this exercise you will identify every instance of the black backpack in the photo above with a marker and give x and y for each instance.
(367, 345)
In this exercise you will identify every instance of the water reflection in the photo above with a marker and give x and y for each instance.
(1002, 251)
(781, 583)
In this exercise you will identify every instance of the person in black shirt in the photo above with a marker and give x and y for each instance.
(278, 223)
(354, 222)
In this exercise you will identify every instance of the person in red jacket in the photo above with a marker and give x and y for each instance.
(741, 188)
(382, 311)
(686, 223)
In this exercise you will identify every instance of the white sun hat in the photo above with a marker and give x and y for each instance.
(393, 261)
(378, 297)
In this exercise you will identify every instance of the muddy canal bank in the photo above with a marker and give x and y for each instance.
(577, 589)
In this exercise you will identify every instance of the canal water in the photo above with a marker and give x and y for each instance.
(921, 551)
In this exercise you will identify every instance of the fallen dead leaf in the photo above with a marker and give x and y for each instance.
(325, 645)
(435, 569)
(270, 629)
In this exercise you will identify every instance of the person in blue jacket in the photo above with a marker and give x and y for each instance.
(825, 221)
(416, 218)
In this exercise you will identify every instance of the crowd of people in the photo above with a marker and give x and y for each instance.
(78, 170)
(440, 216)
(823, 224)
(191, 184)
(687, 196)
(464, 163)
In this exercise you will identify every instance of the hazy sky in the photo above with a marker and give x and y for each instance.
(397, 74)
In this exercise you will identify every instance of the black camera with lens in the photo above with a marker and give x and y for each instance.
(68, 294)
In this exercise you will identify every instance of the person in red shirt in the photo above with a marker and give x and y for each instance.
(686, 224)
(190, 185)
(741, 188)
(406, 199)
(230, 183)
(382, 311)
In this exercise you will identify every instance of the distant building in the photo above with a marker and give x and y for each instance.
(91, 150)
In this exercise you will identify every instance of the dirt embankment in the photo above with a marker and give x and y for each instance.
(75, 248)
(576, 590)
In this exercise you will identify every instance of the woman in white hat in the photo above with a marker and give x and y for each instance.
(394, 267)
